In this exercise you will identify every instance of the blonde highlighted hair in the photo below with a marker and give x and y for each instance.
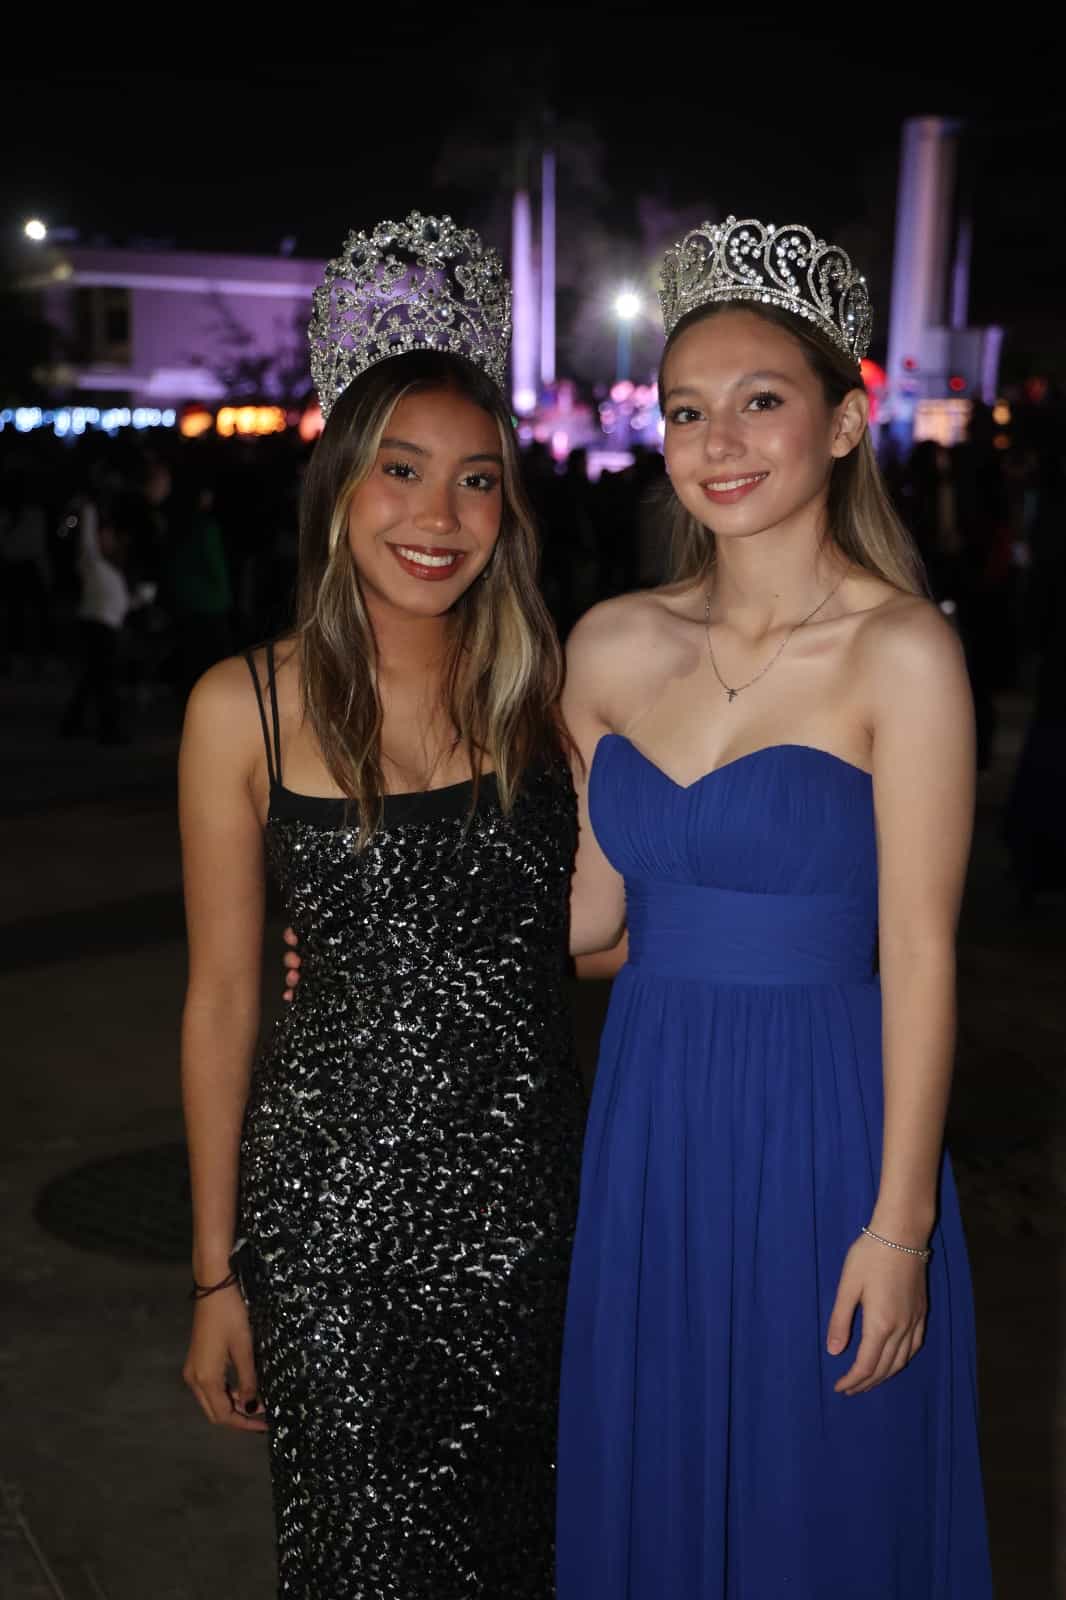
(503, 670)
(861, 519)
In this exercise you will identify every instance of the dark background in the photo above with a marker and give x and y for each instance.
(654, 113)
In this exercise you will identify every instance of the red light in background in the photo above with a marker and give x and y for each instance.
(311, 424)
(874, 377)
(956, 384)
(909, 364)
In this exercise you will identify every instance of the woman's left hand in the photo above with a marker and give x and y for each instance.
(891, 1289)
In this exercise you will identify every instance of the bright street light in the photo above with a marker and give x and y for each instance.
(35, 230)
(627, 307)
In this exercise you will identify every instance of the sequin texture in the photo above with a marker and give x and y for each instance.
(409, 1168)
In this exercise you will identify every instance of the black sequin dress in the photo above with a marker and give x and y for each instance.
(408, 1183)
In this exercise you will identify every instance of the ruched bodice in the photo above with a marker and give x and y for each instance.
(787, 819)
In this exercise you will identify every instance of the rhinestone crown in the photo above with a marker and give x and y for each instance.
(422, 284)
(787, 267)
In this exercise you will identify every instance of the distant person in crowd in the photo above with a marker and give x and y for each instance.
(546, 496)
(105, 603)
(1035, 820)
(143, 520)
(198, 590)
(955, 505)
(266, 577)
(648, 544)
(153, 534)
(584, 567)
(25, 575)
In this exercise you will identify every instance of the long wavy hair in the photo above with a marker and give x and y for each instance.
(860, 518)
(503, 668)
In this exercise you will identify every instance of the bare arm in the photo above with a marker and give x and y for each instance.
(923, 799)
(923, 770)
(222, 851)
(603, 963)
(597, 896)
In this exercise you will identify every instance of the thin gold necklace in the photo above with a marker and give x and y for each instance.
(733, 690)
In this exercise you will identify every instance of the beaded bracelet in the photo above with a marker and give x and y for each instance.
(200, 1291)
(907, 1249)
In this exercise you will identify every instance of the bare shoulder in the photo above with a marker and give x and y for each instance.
(222, 715)
(907, 637)
(628, 631)
(223, 690)
(623, 652)
(911, 672)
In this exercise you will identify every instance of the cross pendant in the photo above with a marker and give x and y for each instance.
(732, 695)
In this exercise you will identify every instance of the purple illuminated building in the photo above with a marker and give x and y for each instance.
(161, 329)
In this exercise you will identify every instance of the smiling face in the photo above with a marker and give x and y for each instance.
(750, 438)
(424, 523)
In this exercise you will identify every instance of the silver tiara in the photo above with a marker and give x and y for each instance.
(756, 262)
(423, 284)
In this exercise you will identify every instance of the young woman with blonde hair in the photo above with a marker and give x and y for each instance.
(768, 1377)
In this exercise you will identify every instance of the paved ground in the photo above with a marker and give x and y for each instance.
(110, 1484)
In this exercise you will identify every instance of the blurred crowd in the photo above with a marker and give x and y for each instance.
(132, 569)
(127, 569)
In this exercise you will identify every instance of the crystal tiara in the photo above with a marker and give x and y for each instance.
(755, 262)
(422, 284)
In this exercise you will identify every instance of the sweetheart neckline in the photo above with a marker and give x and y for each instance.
(749, 755)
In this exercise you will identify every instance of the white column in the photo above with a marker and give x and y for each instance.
(524, 307)
(960, 276)
(923, 217)
(991, 345)
(547, 268)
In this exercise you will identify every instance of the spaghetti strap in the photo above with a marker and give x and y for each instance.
(273, 772)
(272, 685)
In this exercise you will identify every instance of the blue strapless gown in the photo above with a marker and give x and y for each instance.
(732, 1153)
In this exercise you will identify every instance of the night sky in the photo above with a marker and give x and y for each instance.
(765, 119)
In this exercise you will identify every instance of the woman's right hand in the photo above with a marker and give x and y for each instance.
(291, 963)
(221, 1343)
